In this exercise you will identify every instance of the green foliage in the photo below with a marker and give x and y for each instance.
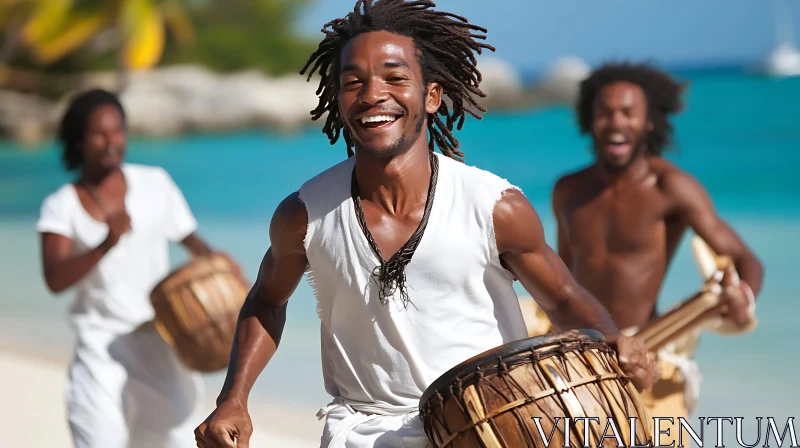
(229, 35)
(233, 35)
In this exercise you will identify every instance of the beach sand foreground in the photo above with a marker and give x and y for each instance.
(33, 413)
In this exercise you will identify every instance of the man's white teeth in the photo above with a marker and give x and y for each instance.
(616, 138)
(377, 118)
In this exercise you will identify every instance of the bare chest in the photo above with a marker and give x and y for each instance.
(390, 234)
(631, 221)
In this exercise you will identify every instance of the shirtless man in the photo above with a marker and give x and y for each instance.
(621, 219)
(391, 324)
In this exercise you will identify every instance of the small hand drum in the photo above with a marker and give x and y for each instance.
(493, 400)
(196, 311)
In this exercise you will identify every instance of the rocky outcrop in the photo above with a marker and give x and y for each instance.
(175, 100)
(562, 81)
(24, 117)
(180, 99)
(501, 83)
(188, 99)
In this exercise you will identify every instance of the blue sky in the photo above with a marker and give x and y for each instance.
(531, 34)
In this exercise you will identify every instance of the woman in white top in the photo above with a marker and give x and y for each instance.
(106, 236)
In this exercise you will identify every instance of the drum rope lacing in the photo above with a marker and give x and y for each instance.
(502, 369)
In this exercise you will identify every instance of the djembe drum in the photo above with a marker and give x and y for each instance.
(196, 311)
(494, 399)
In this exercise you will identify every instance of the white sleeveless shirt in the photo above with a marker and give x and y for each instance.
(381, 358)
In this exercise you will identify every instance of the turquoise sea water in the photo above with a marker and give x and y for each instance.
(740, 136)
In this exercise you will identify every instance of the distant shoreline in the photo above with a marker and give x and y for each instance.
(180, 99)
(186, 100)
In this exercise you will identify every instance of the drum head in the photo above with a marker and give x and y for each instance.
(512, 348)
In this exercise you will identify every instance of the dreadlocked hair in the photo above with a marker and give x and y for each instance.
(446, 45)
(662, 92)
(73, 125)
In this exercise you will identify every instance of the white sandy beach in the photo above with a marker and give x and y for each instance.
(34, 385)
(748, 375)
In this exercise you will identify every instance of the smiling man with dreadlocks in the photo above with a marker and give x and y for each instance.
(412, 254)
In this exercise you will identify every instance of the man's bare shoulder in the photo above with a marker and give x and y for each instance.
(674, 181)
(572, 182)
(289, 223)
(291, 208)
(512, 202)
(517, 224)
(574, 179)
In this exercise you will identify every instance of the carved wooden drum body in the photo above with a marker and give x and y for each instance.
(197, 308)
(495, 399)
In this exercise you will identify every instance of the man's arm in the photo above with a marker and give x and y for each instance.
(196, 245)
(521, 244)
(61, 269)
(263, 314)
(694, 205)
(199, 248)
(561, 229)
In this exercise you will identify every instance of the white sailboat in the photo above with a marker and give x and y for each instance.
(784, 60)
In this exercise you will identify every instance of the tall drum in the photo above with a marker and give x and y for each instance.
(495, 399)
(196, 311)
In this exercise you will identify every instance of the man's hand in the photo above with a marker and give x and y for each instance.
(229, 426)
(118, 224)
(738, 301)
(634, 362)
(260, 327)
